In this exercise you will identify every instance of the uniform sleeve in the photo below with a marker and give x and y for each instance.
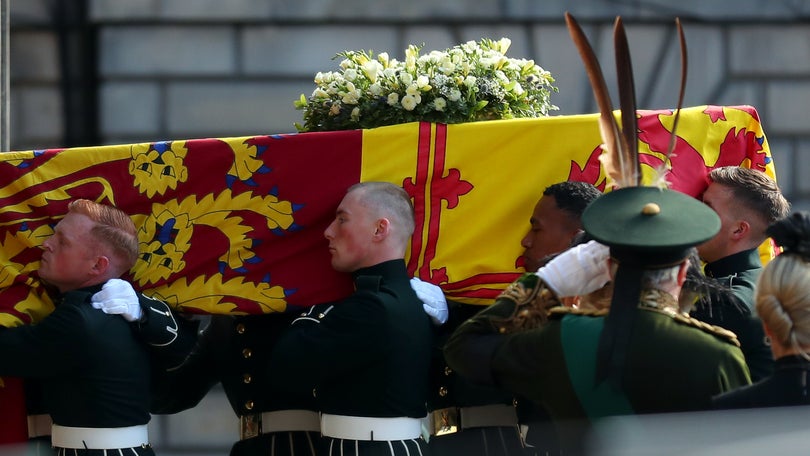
(183, 387)
(314, 350)
(470, 349)
(54, 344)
(732, 372)
(170, 336)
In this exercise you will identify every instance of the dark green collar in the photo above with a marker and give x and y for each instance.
(735, 263)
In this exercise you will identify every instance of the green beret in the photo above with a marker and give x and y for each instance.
(649, 226)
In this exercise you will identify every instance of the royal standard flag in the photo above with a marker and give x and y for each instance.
(235, 225)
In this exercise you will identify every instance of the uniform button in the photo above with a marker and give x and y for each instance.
(443, 391)
(447, 370)
(247, 378)
(240, 328)
(247, 353)
(249, 405)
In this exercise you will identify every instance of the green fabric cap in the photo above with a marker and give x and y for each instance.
(649, 226)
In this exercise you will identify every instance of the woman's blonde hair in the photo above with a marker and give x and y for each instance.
(783, 288)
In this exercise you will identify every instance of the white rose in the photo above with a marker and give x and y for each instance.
(454, 95)
(375, 89)
(393, 99)
(469, 81)
(412, 89)
(409, 102)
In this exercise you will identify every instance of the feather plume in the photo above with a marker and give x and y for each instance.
(659, 178)
(608, 128)
(628, 152)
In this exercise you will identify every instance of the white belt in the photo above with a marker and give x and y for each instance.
(368, 428)
(39, 425)
(290, 420)
(99, 438)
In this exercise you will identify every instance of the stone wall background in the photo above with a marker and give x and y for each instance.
(93, 72)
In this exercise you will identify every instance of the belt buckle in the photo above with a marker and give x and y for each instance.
(445, 421)
(250, 426)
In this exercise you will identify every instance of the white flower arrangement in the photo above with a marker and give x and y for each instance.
(466, 83)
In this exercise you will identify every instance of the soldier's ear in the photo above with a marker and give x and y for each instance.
(101, 265)
(741, 229)
(381, 228)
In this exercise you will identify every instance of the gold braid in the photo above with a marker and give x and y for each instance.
(531, 309)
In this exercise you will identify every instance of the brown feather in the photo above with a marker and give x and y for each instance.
(628, 153)
(608, 128)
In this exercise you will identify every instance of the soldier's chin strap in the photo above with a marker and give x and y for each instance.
(611, 356)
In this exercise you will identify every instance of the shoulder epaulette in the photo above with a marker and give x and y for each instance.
(561, 311)
(716, 331)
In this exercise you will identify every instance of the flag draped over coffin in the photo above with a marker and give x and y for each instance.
(235, 225)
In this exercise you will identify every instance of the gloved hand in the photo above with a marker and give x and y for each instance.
(433, 300)
(117, 297)
(577, 271)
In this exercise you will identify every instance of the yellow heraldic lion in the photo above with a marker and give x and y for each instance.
(245, 162)
(155, 171)
(37, 303)
(165, 240)
(268, 297)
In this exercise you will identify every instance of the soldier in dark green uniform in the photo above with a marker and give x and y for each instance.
(747, 201)
(94, 372)
(475, 419)
(364, 359)
(642, 355)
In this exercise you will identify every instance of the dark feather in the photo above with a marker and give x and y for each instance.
(609, 129)
(628, 152)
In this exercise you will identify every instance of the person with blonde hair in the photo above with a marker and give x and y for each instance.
(783, 304)
(94, 372)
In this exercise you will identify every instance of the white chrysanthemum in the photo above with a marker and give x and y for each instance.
(447, 66)
(409, 102)
(439, 104)
(406, 78)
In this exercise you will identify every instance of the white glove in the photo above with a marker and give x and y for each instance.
(118, 298)
(433, 300)
(577, 271)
